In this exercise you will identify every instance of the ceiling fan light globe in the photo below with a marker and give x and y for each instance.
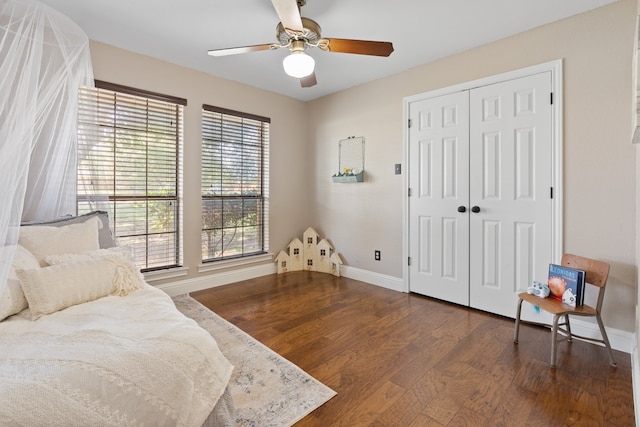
(298, 65)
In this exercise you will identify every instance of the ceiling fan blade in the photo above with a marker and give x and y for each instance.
(289, 14)
(243, 49)
(309, 81)
(361, 47)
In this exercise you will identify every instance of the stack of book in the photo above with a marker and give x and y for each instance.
(566, 284)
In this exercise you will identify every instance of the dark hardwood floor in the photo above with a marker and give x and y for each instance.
(400, 359)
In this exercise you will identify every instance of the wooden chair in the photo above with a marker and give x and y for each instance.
(597, 273)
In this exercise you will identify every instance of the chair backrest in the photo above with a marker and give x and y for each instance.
(597, 272)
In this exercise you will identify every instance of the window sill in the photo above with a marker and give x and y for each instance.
(170, 273)
(231, 263)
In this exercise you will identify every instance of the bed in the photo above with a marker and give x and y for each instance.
(85, 341)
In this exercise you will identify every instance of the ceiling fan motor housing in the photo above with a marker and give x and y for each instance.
(311, 33)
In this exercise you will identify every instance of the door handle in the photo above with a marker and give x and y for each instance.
(475, 209)
(462, 209)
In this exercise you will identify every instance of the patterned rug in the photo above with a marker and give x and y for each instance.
(267, 389)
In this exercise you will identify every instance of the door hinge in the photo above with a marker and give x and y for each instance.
(409, 192)
(409, 123)
(551, 96)
(551, 192)
(409, 261)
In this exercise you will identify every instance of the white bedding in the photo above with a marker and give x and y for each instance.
(115, 361)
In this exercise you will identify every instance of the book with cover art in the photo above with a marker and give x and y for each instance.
(566, 284)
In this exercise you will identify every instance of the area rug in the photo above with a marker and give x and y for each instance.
(267, 389)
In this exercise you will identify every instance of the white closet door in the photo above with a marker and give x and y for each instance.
(510, 184)
(487, 151)
(439, 182)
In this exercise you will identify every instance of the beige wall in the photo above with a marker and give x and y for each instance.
(599, 160)
(290, 205)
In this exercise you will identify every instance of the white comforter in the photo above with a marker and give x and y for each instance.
(115, 361)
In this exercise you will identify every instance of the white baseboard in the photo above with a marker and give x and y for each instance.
(382, 280)
(620, 340)
(217, 279)
(224, 278)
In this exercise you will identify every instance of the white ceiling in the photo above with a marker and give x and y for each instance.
(181, 32)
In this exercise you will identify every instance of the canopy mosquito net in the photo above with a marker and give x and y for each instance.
(44, 59)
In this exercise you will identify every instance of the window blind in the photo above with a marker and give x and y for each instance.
(235, 177)
(130, 164)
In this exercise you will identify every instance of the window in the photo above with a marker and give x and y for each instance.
(235, 190)
(130, 165)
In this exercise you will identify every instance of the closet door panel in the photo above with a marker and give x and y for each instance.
(510, 180)
(439, 181)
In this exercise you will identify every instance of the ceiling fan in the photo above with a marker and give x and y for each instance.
(298, 34)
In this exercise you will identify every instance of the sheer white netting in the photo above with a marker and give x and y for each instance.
(44, 59)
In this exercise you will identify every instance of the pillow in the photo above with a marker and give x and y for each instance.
(104, 235)
(12, 300)
(125, 252)
(44, 240)
(57, 287)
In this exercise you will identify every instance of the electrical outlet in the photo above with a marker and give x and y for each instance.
(376, 255)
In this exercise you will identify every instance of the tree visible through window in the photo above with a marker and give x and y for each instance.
(235, 176)
(130, 165)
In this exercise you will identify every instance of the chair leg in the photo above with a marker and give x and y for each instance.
(517, 329)
(568, 326)
(605, 339)
(554, 339)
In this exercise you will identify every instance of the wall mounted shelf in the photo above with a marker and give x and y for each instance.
(359, 177)
(350, 160)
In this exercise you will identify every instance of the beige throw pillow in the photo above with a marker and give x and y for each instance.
(43, 241)
(122, 251)
(57, 287)
(12, 300)
(104, 235)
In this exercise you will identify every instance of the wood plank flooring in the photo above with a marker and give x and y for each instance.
(399, 359)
